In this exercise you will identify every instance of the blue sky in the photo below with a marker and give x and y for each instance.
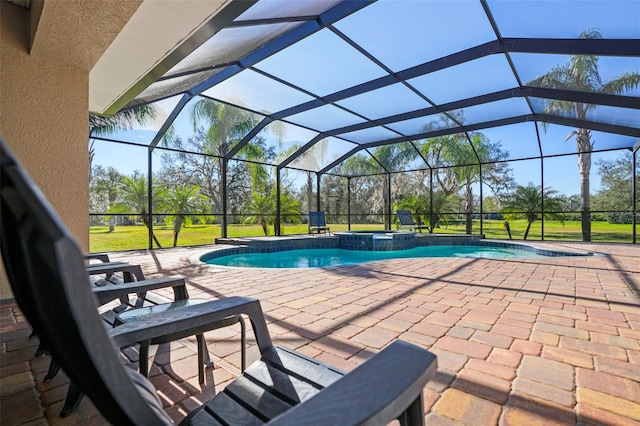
(408, 33)
(561, 173)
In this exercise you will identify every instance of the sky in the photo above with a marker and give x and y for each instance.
(408, 33)
(561, 173)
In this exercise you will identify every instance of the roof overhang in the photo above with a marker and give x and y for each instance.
(158, 36)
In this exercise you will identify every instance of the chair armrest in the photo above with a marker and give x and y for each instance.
(110, 292)
(376, 392)
(110, 268)
(197, 319)
(103, 257)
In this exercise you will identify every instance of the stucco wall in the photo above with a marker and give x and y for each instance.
(44, 120)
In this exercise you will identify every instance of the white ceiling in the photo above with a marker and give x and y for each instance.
(145, 47)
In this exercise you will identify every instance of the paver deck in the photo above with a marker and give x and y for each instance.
(525, 341)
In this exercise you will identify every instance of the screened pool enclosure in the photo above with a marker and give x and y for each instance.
(515, 119)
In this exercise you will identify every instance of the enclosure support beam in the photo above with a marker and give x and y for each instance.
(224, 198)
(318, 177)
(170, 119)
(388, 218)
(634, 188)
(542, 201)
(431, 224)
(349, 203)
(150, 196)
(276, 228)
(481, 198)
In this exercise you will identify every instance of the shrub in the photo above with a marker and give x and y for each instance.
(620, 217)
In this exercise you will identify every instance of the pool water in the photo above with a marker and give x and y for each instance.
(317, 258)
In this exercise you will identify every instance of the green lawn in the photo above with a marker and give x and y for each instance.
(136, 237)
(553, 231)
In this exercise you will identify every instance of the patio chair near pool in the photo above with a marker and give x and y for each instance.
(406, 220)
(44, 266)
(318, 223)
(108, 281)
(136, 305)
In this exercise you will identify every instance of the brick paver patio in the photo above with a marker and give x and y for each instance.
(527, 341)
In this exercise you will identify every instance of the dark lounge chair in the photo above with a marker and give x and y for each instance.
(130, 279)
(318, 223)
(48, 276)
(406, 220)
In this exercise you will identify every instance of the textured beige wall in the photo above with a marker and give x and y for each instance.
(43, 119)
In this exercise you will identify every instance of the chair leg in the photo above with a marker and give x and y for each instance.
(414, 414)
(41, 349)
(203, 357)
(71, 403)
(243, 340)
(52, 372)
(143, 360)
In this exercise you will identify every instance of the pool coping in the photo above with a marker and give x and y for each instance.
(232, 246)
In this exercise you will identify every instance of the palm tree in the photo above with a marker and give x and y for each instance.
(458, 161)
(123, 120)
(391, 157)
(582, 74)
(289, 210)
(439, 205)
(225, 127)
(184, 202)
(526, 203)
(109, 181)
(263, 206)
(418, 205)
(134, 198)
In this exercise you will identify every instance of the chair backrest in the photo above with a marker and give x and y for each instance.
(405, 218)
(48, 277)
(317, 219)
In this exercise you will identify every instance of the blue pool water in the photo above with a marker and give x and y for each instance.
(314, 258)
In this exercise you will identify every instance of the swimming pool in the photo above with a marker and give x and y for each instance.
(318, 258)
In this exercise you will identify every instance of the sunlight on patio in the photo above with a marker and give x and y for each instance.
(529, 341)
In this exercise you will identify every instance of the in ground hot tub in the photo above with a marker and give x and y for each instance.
(376, 240)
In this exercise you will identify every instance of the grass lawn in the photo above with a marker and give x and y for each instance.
(553, 231)
(136, 237)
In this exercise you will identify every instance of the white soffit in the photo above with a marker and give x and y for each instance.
(140, 53)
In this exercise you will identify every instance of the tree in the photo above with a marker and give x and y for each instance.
(218, 128)
(263, 207)
(392, 157)
(526, 203)
(100, 126)
(123, 120)
(290, 211)
(225, 126)
(334, 195)
(439, 206)
(365, 184)
(458, 162)
(616, 185)
(418, 205)
(184, 202)
(582, 74)
(107, 181)
(134, 198)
